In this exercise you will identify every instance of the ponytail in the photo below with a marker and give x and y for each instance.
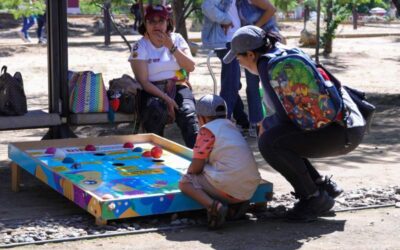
(271, 38)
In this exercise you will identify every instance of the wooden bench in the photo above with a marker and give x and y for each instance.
(100, 118)
(32, 119)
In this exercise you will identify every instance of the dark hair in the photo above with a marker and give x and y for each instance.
(142, 26)
(270, 39)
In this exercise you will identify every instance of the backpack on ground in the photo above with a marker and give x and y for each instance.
(12, 94)
(308, 100)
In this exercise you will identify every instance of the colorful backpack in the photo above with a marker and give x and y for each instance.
(308, 100)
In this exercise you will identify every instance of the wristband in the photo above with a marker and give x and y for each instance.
(173, 49)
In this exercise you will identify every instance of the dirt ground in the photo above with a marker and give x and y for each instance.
(370, 64)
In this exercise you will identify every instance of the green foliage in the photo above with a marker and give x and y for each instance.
(340, 13)
(341, 10)
(363, 6)
(20, 8)
(92, 6)
(197, 14)
(312, 4)
(285, 5)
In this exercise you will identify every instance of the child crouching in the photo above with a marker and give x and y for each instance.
(223, 169)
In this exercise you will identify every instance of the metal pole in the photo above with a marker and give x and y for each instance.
(57, 60)
(210, 54)
(107, 23)
(53, 59)
(318, 25)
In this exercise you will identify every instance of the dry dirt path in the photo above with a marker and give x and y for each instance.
(368, 229)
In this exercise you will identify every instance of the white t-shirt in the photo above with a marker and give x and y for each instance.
(233, 12)
(161, 64)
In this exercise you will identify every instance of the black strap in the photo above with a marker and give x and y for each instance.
(4, 69)
(346, 112)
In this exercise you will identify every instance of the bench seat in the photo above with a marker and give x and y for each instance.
(100, 118)
(32, 119)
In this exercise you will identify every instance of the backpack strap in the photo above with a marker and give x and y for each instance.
(4, 69)
(346, 111)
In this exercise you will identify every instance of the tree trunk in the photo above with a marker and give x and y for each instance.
(355, 16)
(306, 15)
(397, 5)
(178, 7)
(329, 15)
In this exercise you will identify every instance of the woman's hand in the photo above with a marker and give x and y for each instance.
(171, 106)
(226, 27)
(165, 39)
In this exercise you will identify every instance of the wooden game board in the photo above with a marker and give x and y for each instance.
(113, 182)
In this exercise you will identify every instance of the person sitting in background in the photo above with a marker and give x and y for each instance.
(160, 60)
(223, 169)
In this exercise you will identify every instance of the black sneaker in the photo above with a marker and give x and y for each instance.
(330, 187)
(309, 209)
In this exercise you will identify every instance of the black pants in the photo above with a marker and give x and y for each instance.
(287, 149)
(154, 114)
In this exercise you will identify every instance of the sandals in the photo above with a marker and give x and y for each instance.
(238, 210)
(216, 215)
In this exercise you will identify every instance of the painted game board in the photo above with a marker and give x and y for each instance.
(114, 182)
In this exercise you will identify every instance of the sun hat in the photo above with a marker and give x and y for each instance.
(156, 10)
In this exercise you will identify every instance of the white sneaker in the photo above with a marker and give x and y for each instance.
(253, 130)
(42, 41)
(22, 36)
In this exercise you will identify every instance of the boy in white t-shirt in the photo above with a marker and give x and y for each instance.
(223, 169)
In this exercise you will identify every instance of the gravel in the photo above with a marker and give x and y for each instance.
(76, 226)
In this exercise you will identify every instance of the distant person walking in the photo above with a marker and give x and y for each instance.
(27, 23)
(135, 10)
(41, 24)
(35, 13)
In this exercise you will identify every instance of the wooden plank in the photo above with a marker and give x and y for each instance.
(100, 118)
(100, 221)
(32, 119)
(15, 176)
(103, 140)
